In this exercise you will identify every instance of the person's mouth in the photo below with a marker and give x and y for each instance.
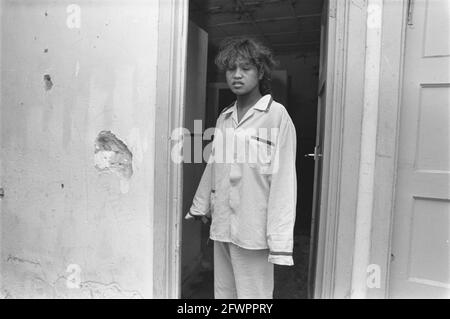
(237, 84)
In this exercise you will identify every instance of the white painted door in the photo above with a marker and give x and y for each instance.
(420, 260)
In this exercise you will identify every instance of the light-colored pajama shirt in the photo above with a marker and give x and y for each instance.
(249, 186)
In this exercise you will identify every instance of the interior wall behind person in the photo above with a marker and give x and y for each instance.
(77, 212)
(303, 70)
(197, 51)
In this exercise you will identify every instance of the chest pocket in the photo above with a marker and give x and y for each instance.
(260, 153)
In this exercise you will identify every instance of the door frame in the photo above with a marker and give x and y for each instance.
(393, 44)
(342, 136)
(172, 47)
(168, 176)
(342, 145)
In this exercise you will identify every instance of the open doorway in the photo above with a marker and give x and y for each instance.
(292, 28)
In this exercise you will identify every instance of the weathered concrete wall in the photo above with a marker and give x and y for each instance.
(76, 217)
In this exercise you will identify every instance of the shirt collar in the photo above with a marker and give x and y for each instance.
(261, 105)
(230, 109)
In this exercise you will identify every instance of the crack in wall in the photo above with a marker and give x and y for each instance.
(22, 260)
(100, 288)
(41, 286)
(5, 294)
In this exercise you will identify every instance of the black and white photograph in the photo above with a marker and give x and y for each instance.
(238, 150)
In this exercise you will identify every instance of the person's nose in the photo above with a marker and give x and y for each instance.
(238, 73)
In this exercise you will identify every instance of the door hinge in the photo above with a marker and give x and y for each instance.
(410, 12)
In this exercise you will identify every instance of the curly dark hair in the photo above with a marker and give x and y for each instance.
(234, 48)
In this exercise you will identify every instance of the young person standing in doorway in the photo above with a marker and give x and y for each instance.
(251, 199)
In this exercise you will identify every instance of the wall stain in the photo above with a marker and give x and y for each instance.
(48, 82)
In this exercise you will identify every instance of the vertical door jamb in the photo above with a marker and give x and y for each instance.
(331, 272)
(168, 190)
(331, 166)
(396, 20)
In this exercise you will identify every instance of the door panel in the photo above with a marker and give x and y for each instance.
(420, 265)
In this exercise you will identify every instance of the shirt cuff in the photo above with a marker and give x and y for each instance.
(189, 215)
(281, 258)
(204, 218)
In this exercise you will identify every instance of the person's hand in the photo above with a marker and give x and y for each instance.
(203, 218)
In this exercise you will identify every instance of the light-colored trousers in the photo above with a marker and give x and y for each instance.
(242, 273)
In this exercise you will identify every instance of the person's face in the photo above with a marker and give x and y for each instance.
(243, 77)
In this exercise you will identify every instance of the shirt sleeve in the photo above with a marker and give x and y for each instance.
(201, 203)
(283, 196)
(202, 198)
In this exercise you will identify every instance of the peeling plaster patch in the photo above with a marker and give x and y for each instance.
(112, 155)
(48, 82)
